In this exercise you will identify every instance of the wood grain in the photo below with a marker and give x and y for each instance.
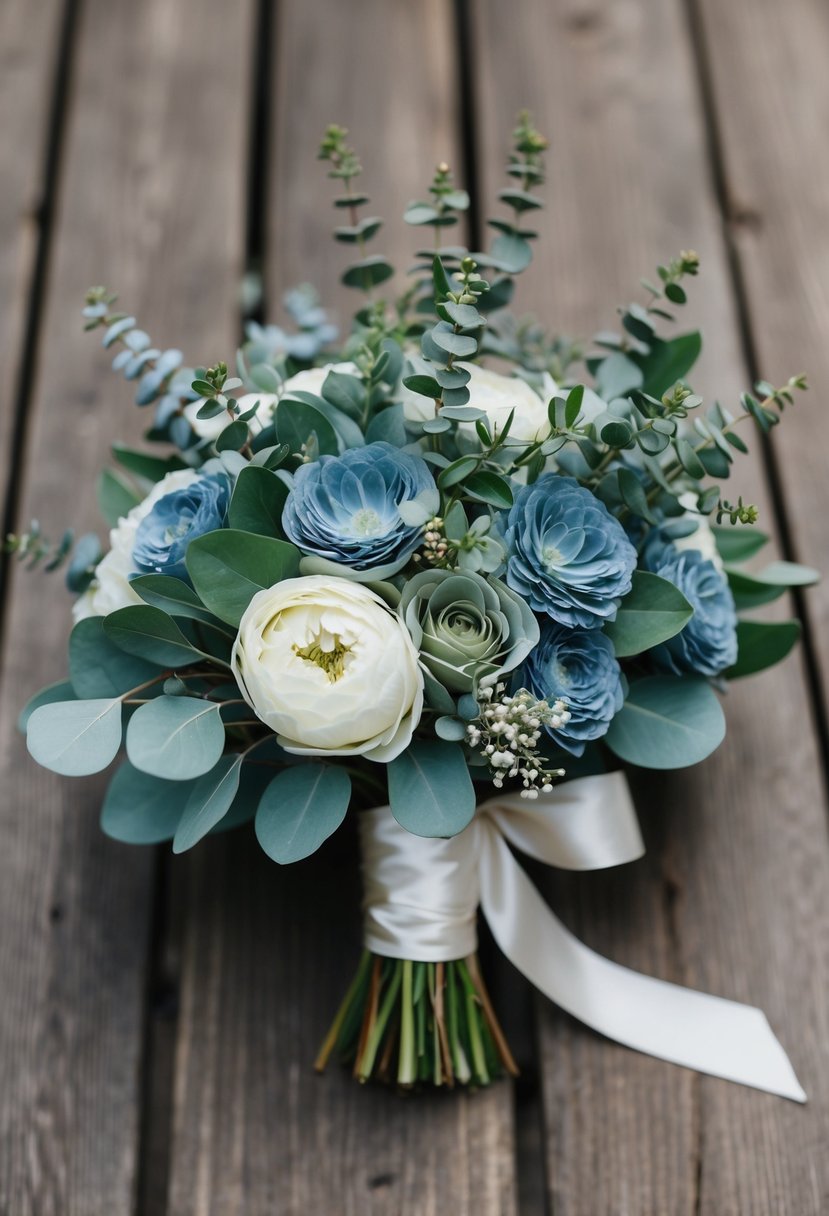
(142, 204)
(767, 71)
(29, 49)
(268, 952)
(737, 874)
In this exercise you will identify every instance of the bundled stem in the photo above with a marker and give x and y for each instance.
(415, 1022)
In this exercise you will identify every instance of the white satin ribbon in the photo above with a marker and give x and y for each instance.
(421, 896)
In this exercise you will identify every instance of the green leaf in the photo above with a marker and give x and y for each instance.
(368, 273)
(572, 406)
(151, 634)
(209, 800)
(764, 586)
(300, 809)
(689, 460)
(177, 738)
(172, 595)
(667, 722)
(115, 498)
(633, 495)
(430, 790)
(146, 465)
(490, 488)
(668, 362)
(229, 567)
(52, 693)
(457, 470)
(346, 392)
(653, 611)
(99, 668)
(736, 544)
(426, 386)
(258, 501)
(296, 422)
(459, 345)
(616, 375)
(75, 738)
(140, 809)
(761, 644)
(451, 729)
(510, 253)
(233, 437)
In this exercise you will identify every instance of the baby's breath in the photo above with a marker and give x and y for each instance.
(507, 733)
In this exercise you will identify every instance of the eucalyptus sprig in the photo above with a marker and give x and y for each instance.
(371, 269)
(34, 549)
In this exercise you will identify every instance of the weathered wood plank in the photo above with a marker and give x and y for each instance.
(145, 204)
(766, 68)
(268, 952)
(737, 875)
(29, 53)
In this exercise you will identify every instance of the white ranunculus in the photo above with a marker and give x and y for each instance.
(310, 381)
(703, 539)
(329, 668)
(496, 395)
(110, 589)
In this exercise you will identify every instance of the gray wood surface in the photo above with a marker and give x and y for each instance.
(155, 90)
(268, 952)
(737, 875)
(159, 1016)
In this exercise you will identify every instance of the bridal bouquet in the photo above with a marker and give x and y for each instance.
(449, 575)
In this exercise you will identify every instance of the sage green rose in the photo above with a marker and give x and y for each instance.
(468, 629)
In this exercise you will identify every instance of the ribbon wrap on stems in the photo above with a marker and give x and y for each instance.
(421, 897)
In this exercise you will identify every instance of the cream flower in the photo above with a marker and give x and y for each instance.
(110, 589)
(329, 668)
(310, 381)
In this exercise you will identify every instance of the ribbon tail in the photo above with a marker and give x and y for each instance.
(706, 1033)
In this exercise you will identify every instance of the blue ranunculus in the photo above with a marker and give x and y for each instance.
(708, 643)
(578, 666)
(568, 556)
(345, 508)
(163, 536)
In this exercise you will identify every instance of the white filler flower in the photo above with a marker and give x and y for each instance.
(327, 666)
(496, 395)
(110, 588)
(310, 381)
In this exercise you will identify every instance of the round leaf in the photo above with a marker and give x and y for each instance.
(652, 612)
(228, 567)
(175, 737)
(209, 801)
(140, 809)
(75, 738)
(151, 634)
(430, 790)
(667, 722)
(300, 809)
(99, 668)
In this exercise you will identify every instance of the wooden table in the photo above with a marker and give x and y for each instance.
(158, 1015)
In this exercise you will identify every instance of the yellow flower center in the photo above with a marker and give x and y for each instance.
(331, 660)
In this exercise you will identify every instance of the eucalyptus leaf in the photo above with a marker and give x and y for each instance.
(150, 634)
(52, 693)
(229, 567)
(141, 809)
(258, 501)
(653, 611)
(75, 738)
(430, 790)
(669, 361)
(761, 644)
(301, 808)
(738, 544)
(209, 800)
(667, 722)
(171, 595)
(177, 738)
(99, 668)
(115, 498)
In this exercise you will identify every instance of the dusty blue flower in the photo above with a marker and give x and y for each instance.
(568, 556)
(162, 537)
(579, 667)
(708, 643)
(346, 508)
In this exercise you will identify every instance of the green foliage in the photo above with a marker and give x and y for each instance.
(300, 808)
(100, 668)
(430, 790)
(177, 738)
(653, 611)
(142, 809)
(761, 644)
(208, 801)
(150, 634)
(75, 738)
(667, 722)
(258, 501)
(229, 567)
